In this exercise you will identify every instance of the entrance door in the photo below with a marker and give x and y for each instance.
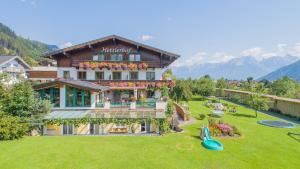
(68, 129)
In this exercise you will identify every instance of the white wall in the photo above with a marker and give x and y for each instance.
(73, 72)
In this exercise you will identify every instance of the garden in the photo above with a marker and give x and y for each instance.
(257, 147)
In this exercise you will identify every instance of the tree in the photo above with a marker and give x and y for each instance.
(22, 101)
(181, 92)
(257, 102)
(204, 86)
(221, 85)
(285, 87)
(11, 127)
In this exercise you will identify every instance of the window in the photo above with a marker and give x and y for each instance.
(133, 75)
(150, 75)
(66, 75)
(134, 57)
(95, 58)
(131, 57)
(138, 57)
(117, 75)
(117, 57)
(145, 127)
(99, 75)
(51, 94)
(94, 129)
(81, 75)
(67, 129)
(77, 97)
(101, 57)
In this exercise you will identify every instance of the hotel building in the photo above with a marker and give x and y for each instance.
(109, 80)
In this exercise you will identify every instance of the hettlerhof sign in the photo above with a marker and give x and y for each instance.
(116, 50)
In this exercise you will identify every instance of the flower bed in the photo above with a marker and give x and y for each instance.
(115, 66)
(142, 84)
(222, 129)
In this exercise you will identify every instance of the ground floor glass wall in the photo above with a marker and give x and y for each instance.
(77, 97)
(51, 94)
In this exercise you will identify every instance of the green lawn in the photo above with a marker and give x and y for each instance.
(259, 147)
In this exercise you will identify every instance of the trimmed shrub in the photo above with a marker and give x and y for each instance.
(11, 127)
(202, 116)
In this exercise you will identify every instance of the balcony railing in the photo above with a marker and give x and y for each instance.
(151, 64)
(132, 105)
(99, 104)
(150, 104)
(119, 104)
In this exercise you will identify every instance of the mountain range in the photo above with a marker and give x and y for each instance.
(291, 70)
(236, 68)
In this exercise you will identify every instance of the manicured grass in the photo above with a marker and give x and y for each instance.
(259, 147)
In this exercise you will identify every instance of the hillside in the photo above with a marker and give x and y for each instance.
(292, 71)
(29, 50)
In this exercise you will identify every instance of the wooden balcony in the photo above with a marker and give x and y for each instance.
(151, 64)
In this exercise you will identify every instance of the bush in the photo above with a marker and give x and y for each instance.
(211, 122)
(170, 108)
(202, 116)
(11, 127)
(236, 131)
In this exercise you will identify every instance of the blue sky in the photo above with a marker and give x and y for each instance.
(208, 30)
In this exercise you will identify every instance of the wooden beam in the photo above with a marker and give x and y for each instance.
(66, 54)
(90, 46)
(114, 41)
(160, 59)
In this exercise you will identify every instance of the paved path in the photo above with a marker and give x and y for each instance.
(184, 123)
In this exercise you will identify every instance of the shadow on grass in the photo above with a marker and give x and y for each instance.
(198, 99)
(214, 115)
(294, 136)
(242, 115)
(197, 137)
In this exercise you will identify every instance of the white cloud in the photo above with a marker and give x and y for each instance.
(294, 50)
(169, 18)
(258, 53)
(202, 58)
(146, 37)
(32, 2)
(255, 52)
(65, 45)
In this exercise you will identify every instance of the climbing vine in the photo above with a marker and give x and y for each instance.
(127, 121)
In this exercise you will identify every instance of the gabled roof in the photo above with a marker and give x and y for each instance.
(112, 37)
(73, 83)
(7, 58)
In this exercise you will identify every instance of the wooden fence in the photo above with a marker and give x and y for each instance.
(284, 105)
